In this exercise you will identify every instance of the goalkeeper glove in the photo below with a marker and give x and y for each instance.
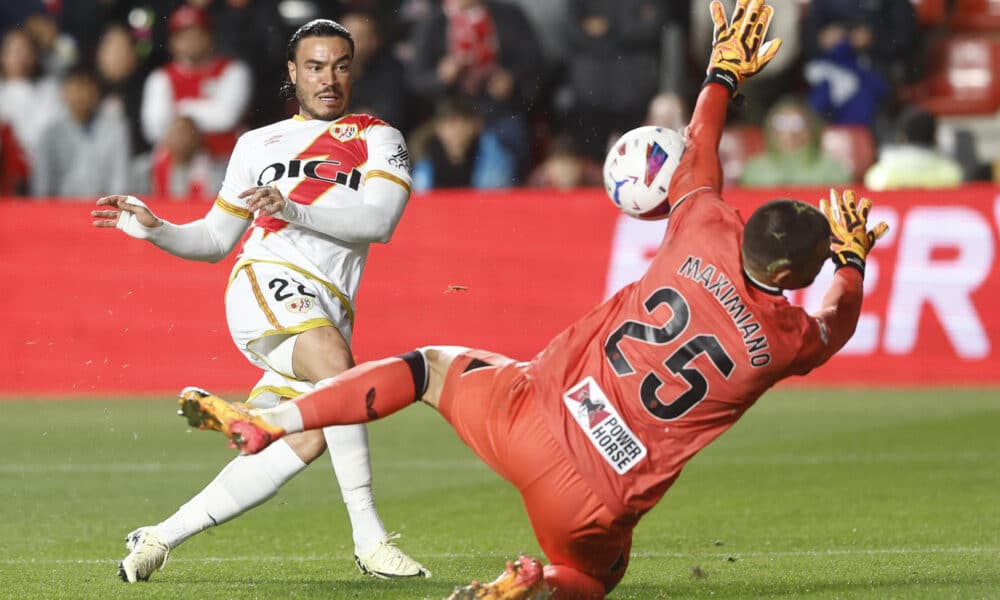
(850, 237)
(737, 50)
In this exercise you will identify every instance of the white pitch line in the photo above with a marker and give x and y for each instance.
(155, 467)
(452, 555)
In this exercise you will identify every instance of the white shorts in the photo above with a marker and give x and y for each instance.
(272, 388)
(268, 302)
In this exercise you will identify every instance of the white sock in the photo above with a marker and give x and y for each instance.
(241, 485)
(348, 445)
(285, 415)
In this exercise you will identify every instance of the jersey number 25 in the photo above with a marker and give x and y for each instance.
(677, 363)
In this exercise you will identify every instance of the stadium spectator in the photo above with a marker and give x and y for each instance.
(598, 426)
(548, 20)
(667, 109)
(213, 90)
(882, 34)
(316, 190)
(377, 72)
(843, 88)
(57, 50)
(565, 168)
(25, 91)
(486, 52)
(118, 68)
(14, 168)
(856, 54)
(253, 32)
(85, 150)
(613, 61)
(461, 152)
(793, 156)
(180, 167)
(915, 160)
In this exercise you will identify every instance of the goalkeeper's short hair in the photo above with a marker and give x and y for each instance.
(783, 234)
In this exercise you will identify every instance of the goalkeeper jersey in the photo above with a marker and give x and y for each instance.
(644, 381)
(325, 163)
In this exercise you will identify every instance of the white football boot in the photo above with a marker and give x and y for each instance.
(147, 553)
(386, 561)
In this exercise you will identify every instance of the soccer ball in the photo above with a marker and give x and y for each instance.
(638, 169)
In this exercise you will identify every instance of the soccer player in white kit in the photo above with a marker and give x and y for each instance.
(323, 185)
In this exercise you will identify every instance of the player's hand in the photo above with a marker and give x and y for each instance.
(265, 198)
(118, 207)
(738, 49)
(851, 240)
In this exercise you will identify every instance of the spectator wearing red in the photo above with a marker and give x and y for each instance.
(181, 167)
(14, 169)
(28, 99)
(485, 52)
(214, 91)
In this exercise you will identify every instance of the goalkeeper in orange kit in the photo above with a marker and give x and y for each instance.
(597, 427)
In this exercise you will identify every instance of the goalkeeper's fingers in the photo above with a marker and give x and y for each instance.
(828, 211)
(849, 211)
(831, 208)
(719, 20)
(754, 30)
(877, 232)
(748, 30)
(739, 12)
(767, 52)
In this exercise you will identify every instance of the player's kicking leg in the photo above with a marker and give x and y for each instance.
(245, 430)
(251, 434)
(346, 399)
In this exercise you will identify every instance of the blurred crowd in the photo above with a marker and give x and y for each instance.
(107, 96)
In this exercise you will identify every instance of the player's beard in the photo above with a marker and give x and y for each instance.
(313, 111)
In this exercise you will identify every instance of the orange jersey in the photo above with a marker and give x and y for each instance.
(644, 381)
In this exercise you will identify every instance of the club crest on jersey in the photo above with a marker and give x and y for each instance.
(301, 304)
(607, 431)
(344, 131)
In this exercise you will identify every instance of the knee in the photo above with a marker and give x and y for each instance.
(437, 359)
(307, 445)
(438, 354)
(320, 353)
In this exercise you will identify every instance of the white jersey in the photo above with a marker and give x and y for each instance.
(325, 163)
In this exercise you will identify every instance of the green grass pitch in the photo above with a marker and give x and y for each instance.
(847, 494)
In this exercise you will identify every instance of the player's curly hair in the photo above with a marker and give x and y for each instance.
(783, 234)
(314, 28)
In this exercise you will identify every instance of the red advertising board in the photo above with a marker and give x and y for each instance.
(93, 312)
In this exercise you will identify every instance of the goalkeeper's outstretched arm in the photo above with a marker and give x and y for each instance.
(851, 240)
(738, 52)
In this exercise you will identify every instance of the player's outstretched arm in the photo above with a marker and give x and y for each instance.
(738, 52)
(208, 239)
(851, 240)
(374, 220)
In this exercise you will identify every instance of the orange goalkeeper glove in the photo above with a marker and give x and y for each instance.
(738, 51)
(851, 240)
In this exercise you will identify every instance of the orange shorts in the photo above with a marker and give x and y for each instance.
(487, 400)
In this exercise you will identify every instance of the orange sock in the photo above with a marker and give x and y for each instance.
(569, 584)
(367, 392)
